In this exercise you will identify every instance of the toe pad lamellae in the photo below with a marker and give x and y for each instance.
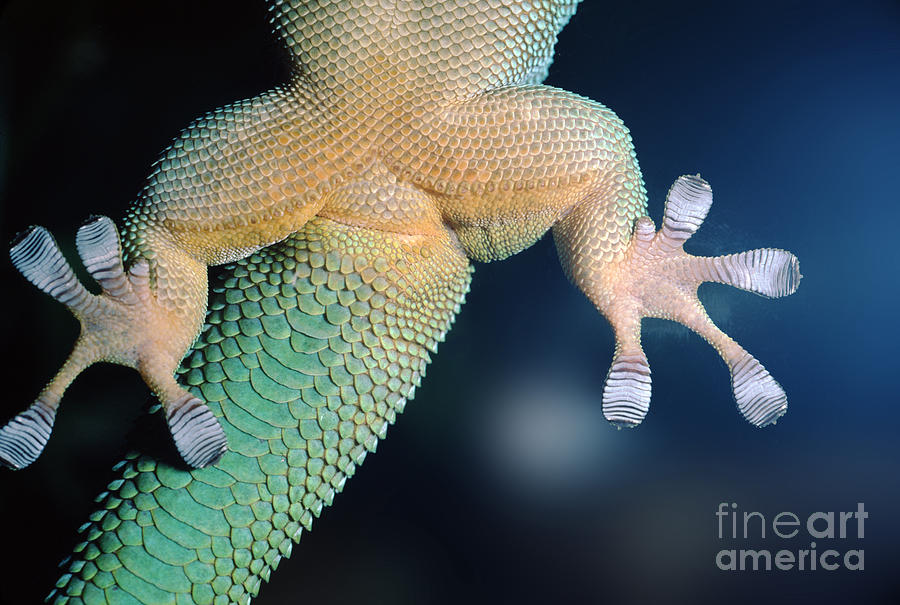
(23, 438)
(626, 395)
(196, 432)
(661, 280)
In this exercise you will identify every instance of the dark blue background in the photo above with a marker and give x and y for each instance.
(502, 482)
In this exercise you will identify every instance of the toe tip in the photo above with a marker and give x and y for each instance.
(626, 394)
(760, 399)
(24, 437)
(197, 433)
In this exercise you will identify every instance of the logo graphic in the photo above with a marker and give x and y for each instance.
(840, 528)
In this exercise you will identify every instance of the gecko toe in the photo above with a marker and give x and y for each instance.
(37, 256)
(626, 394)
(760, 398)
(98, 245)
(197, 434)
(23, 438)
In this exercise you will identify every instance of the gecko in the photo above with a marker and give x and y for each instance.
(411, 139)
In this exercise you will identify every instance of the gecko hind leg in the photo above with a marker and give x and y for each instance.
(657, 278)
(117, 326)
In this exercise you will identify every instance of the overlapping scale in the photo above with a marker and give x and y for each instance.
(311, 349)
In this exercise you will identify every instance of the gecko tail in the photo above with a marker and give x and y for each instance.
(23, 438)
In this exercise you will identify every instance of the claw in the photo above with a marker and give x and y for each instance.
(116, 326)
(657, 278)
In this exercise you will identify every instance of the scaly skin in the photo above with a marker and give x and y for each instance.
(409, 140)
(313, 346)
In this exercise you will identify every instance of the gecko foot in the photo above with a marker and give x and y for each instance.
(123, 324)
(657, 278)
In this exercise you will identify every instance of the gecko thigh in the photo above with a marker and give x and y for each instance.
(506, 165)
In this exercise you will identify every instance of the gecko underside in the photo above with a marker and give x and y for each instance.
(310, 347)
(654, 278)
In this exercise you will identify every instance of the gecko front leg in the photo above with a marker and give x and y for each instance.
(125, 324)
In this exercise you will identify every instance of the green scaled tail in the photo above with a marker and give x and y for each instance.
(311, 349)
